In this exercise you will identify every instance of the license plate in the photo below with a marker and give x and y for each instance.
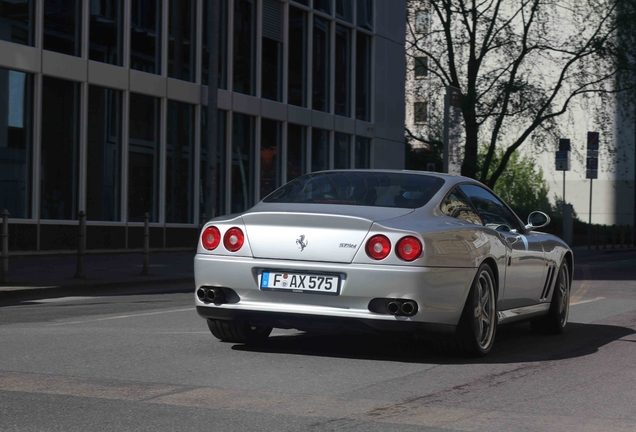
(300, 282)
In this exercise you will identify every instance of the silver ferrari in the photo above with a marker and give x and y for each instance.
(382, 250)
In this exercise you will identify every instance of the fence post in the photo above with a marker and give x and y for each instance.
(145, 271)
(4, 278)
(81, 245)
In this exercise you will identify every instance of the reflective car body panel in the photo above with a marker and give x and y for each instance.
(330, 239)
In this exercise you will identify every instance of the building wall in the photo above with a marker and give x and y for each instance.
(112, 116)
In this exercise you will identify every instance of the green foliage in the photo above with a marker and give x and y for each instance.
(521, 184)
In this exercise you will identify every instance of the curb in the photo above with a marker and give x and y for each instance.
(162, 286)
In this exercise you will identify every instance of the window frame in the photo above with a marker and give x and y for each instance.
(521, 227)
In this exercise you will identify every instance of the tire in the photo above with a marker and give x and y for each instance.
(238, 332)
(557, 318)
(477, 327)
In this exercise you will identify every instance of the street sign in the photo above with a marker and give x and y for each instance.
(563, 161)
(592, 140)
(592, 163)
(454, 96)
(591, 174)
(564, 144)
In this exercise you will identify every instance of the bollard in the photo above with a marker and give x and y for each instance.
(4, 277)
(145, 271)
(81, 245)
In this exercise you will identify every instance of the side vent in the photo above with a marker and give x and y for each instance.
(548, 283)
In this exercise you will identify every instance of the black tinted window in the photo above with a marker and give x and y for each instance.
(492, 211)
(377, 189)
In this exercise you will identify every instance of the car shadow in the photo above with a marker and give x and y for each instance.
(514, 344)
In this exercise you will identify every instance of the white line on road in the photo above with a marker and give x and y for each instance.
(586, 301)
(124, 316)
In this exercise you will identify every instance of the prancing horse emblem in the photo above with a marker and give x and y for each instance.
(302, 243)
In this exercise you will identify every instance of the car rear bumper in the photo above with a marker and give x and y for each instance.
(440, 293)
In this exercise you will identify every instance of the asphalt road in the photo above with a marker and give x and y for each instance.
(148, 362)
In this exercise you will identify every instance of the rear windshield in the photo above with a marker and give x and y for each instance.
(375, 189)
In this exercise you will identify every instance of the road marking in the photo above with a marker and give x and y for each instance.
(585, 285)
(124, 316)
(586, 301)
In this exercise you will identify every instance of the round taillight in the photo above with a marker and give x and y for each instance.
(233, 239)
(409, 248)
(210, 238)
(378, 247)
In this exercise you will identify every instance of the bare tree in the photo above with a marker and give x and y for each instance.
(520, 65)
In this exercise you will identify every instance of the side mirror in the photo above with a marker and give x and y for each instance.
(537, 219)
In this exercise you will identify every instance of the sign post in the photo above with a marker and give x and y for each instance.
(563, 164)
(591, 172)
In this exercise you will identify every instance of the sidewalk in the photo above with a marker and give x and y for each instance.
(45, 276)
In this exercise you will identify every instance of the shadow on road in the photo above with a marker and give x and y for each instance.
(514, 344)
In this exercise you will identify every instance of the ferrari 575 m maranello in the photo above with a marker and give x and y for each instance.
(414, 252)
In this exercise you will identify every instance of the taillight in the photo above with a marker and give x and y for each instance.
(210, 238)
(409, 248)
(378, 247)
(233, 239)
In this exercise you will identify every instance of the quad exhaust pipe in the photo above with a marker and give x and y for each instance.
(401, 307)
(211, 295)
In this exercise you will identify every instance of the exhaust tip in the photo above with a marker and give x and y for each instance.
(409, 308)
(201, 294)
(393, 307)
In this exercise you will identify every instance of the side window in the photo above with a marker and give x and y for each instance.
(491, 210)
(457, 206)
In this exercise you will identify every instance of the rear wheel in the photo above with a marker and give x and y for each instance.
(238, 332)
(557, 318)
(478, 324)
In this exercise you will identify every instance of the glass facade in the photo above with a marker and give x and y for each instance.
(245, 46)
(271, 140)
(16, 142)
(182, 40)
(144, 157)
(365, 14)
(180, 163)
(297, 54)
(104, 154)
(63, 26)
(243, 136)
(106, 31)
(321, 64)
(319, 149)
(145, 35)
(118, 149)
(59, 158)
(17, 21)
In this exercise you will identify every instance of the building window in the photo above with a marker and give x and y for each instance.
(106, 31)
(365, 14)
(296, 151)
(182, 40)
(420, 112)
(272, 64)
(244, 46)
(343, 71)
(421, 21)
(103, 169)
(342, 151)
(180, 163)
(222, 44)
(59, 151)
(319, 149)
(16, 142)
(323, 6)
(363, 153)
(145, 36)
(344, 10)
(63, 26)
(421, 67)
(321, 64)
(18, 21)
(297, 53)
(242, 162)
(144, 158)
(271, 139)
(363, 77)
(214, 171)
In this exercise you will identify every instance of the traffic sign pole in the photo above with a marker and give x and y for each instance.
(589, 223)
